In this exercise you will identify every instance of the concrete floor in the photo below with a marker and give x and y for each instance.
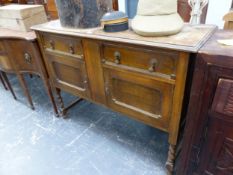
(92, 141)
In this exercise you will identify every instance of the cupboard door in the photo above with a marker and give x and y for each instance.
(217, 153)
(139, 96)
(68, 74)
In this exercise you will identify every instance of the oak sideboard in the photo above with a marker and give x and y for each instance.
(143, 78)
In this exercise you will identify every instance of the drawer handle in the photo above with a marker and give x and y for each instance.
(71, 48)
(153, 65)
(27, 58)
(117, 56)
(173, 76)
(51, 42)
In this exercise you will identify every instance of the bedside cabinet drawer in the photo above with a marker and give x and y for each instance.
(156, 61)
(143, 98)
(25, 56)
(63, 44)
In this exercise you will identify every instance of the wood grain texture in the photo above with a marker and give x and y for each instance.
(126, 89)
(189, 40)
(94, 70)
(157, 61)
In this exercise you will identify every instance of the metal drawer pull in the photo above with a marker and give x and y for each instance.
(153, 65)
(71, 48)
(27, 58)
(173, 76)
(117, 56)
(51, 42)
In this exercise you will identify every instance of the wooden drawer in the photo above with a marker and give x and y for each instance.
(141, 97)
(25, 55)
(68, 73)
(63, 44)
(157, 62)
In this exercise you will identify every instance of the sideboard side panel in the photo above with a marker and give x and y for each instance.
(94, 70)
(178, 97)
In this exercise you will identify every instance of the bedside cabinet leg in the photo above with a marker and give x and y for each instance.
(8, 85)
(3, 83)
(50, 94)
(171, 159)
(25, 90)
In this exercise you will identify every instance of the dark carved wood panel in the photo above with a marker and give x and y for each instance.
(217, 153)
(223, 101)
(208, 136)
(225, 160)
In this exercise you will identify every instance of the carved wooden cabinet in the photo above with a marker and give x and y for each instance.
(143, 78)
(208, 140)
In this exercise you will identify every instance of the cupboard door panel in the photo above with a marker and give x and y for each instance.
(69, 74)
(143, 98)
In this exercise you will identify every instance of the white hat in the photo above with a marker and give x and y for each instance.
(157, 18)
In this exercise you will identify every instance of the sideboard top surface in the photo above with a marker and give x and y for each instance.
(190, 39)
(213, 47)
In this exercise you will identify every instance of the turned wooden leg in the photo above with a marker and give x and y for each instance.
(25, 89)
(60, 101)
(171, 159)
(3, 83)
(49, 91)
(4, 76)
(64, 109)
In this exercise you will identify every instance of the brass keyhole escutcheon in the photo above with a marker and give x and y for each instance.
(71, 49)
(153, 65)
(117, 56)
(51, 42)
(27, 58)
